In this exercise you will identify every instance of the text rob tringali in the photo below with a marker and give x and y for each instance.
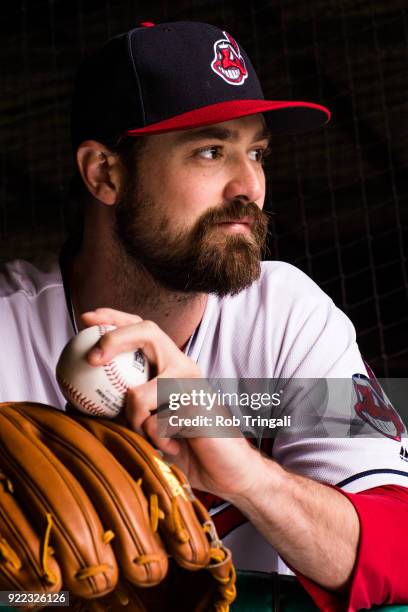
(231, 421)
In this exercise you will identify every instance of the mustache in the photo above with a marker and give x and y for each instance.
(233, 210)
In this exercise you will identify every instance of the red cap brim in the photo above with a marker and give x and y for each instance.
(282, 116)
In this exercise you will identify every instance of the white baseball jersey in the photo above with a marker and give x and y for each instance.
(282, 327)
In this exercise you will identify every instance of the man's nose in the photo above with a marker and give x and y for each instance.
(246, 180)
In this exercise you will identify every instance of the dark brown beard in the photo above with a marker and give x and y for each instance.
(203, 259)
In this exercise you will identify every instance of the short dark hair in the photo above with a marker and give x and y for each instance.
(129, 150)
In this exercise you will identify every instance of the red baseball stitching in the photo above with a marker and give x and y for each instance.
(76, 397)
(115, 377)
(112, 370)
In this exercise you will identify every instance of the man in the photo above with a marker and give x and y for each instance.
(170, 130)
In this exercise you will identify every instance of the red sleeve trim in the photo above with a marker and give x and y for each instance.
(381, 569)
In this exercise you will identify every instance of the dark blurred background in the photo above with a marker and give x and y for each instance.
(339, 195)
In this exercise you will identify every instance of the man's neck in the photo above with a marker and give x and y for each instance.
(102, 278)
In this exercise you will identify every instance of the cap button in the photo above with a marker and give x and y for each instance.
(147, 24)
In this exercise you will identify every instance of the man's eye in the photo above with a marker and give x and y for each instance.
(209, 152)
(259, 155)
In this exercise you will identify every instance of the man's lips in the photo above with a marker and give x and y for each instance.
(236, 226)
(242, 221)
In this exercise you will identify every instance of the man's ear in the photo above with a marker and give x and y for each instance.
(101, 171)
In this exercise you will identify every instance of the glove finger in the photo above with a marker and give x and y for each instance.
(184, 533)
(123, 599)
(181, 590)
(25, 564)
(120, 502)
(46, 487)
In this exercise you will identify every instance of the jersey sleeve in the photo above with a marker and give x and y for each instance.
(380, 573)
(35, 326)
(344, 430)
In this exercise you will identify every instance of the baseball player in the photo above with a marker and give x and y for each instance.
(170, 131)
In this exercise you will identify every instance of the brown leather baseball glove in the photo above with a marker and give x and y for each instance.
(90, 507)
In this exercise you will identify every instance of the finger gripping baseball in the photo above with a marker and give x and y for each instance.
(98, 390)
(85, 502)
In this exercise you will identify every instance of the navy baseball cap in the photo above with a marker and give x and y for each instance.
(172, 76)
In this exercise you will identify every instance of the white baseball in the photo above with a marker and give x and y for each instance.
(98, 390)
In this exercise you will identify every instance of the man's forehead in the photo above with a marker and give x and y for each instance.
(251, 126)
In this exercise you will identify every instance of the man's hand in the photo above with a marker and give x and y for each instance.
(312, 526)
(223, 466)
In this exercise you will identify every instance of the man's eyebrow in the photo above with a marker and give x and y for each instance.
(263, 134)
(212, 131)
(219, 133)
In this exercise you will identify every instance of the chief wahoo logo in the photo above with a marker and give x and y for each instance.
(228, 62)
(374, 407)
